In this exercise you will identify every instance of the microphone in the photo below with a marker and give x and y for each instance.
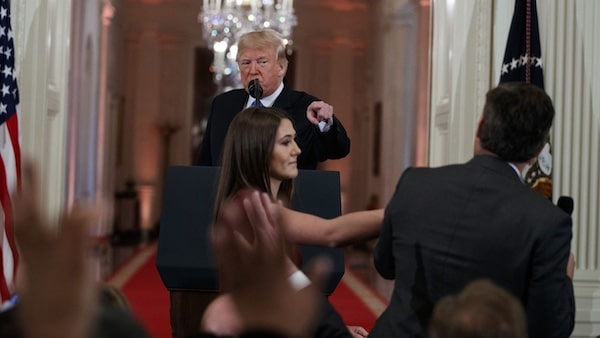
(565, 203)
(255, 89)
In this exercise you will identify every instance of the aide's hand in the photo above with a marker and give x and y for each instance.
(319, 111)
(357, 331)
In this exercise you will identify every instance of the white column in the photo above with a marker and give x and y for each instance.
(342, 75)
(460, 78)
(404, 76)
(43, 30)
(144, 92)
(570, 48)
(104, 183)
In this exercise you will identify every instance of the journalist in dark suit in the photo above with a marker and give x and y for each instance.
(261, 55)
(447, 226)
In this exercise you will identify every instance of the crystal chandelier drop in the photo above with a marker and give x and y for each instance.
(225, 21)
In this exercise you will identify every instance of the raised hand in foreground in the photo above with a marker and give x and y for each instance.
(254, 269)
(58, 294)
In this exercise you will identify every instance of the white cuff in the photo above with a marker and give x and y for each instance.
(12, 302)
(299, 280)
(325, 125)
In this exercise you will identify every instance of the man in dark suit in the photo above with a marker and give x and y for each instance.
(261, 55)
(320, 135)
(445, 227)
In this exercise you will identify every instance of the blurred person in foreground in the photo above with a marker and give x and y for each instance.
(480, 310)
(58, 294)
(445, 227)
(59, 297)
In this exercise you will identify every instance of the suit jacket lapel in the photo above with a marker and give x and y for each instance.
(240, 100)
(284, 100)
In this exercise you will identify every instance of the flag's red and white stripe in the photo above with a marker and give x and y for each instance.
(10, 155)
(10, 164)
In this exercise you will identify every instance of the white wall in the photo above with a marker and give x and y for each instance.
(42, 31)
(158, 48)
(569, 32)
(460, 77)
(402, 87)
(59, 79)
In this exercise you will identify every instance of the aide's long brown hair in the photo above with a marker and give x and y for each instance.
(247, 155)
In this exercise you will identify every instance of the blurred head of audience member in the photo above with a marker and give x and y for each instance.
(482, 309)
(111, 297)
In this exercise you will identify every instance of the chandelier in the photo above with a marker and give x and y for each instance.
(225, 21)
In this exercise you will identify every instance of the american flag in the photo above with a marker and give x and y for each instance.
(523, 63)
(10, 153)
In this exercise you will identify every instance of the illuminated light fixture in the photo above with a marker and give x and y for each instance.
(224, 21)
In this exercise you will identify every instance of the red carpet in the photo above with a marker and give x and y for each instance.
(351, 307)
(353, 311)
(149, 299)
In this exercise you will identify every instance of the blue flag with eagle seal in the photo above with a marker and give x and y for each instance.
(523, 63)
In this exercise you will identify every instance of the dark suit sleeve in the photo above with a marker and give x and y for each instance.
(383, 255)
(550, 303)
(335, 143)
(204, 157)
(316, 146)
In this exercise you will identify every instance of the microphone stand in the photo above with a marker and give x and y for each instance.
(255, 89)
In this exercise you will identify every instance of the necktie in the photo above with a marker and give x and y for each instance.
(257, 103)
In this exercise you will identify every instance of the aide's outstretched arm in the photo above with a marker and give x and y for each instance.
(307, 229)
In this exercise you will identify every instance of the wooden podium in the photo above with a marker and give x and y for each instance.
(184, 259)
